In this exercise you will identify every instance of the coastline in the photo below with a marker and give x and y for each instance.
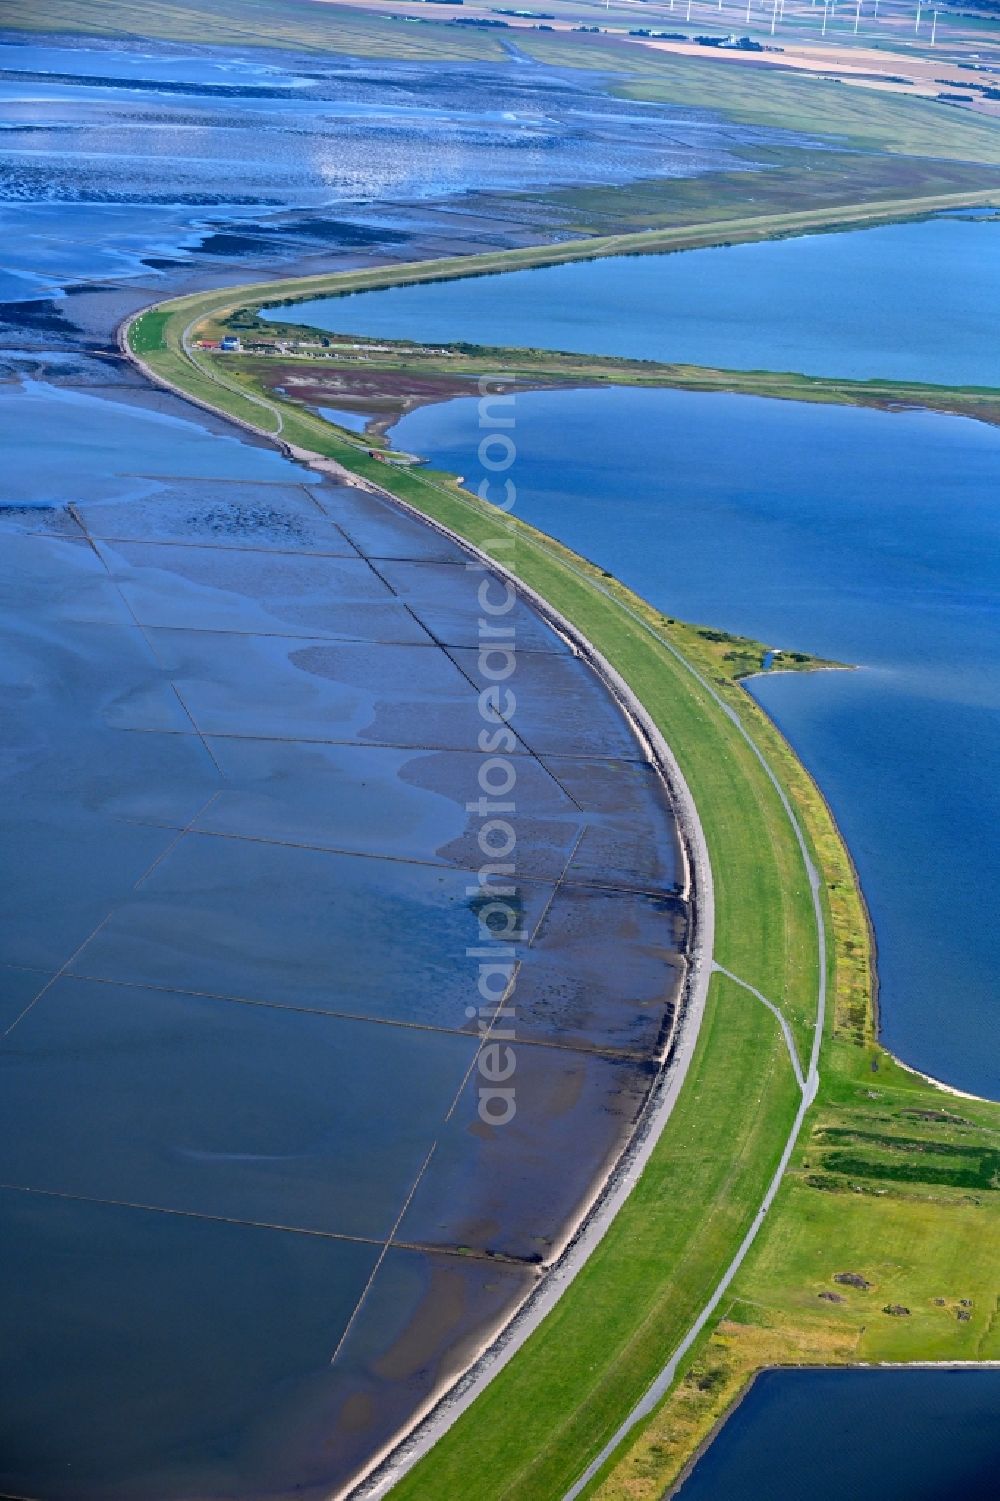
(379, 424)
(959, 1094)
(437, 1415)
(582, 1234)
(717, 234)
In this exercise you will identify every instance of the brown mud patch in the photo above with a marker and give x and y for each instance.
(382, 396)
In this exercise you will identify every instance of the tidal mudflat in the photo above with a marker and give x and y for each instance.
(236, 798)
(118, 162)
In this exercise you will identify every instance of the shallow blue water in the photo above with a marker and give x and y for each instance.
(863, 536)
(109, 449)
(826, 1435)
(355, 422)
(883, 302)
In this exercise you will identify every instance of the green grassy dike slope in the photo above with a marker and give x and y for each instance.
(891, 1180)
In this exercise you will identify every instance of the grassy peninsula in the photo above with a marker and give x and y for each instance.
(392, 377)
(892, 1183)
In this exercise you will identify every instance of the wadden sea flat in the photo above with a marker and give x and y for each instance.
(113, 161)
(237, 961)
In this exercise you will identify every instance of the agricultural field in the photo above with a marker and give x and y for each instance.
(787, 100)
(293, 27)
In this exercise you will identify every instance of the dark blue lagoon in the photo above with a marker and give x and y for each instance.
(871, 1435)
(865, 537)
(910, 1435)
(885, 302)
